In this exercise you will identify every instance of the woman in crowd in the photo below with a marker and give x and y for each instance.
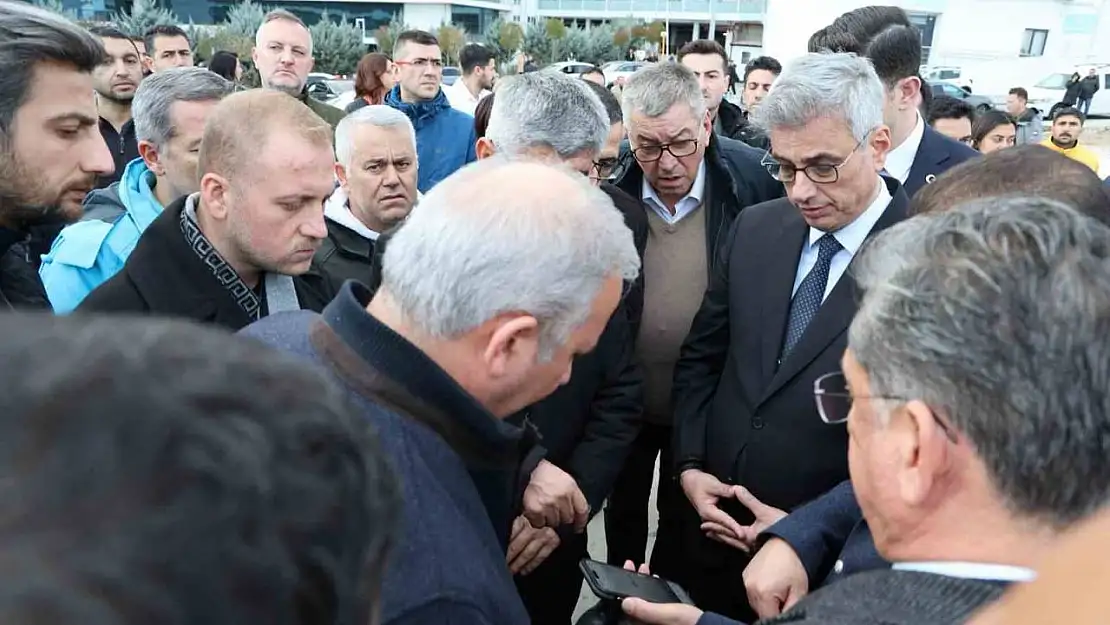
(992, 131)
(226, 64)
(375, 76)
(481, 115)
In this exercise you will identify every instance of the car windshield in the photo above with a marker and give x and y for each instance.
(340, 86)
(1054, 81)
(451, 71)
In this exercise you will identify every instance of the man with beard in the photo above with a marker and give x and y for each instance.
(115, 82)
(283, 55)
(1067, 126)
(479, 68)
(52, 152)
(241, 248)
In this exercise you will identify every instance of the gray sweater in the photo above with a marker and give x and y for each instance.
(887, 597)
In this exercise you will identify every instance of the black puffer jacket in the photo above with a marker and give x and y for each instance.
(20, 285)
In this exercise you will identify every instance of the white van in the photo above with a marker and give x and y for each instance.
(1050, 89)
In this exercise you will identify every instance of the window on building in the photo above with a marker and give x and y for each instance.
(925, 23)
(1032, 42)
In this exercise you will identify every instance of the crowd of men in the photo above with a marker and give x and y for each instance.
(302, 367)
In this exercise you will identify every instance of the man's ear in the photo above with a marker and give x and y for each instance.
(924, 452)
(511, 337)
(341, 175)
(484, 148)
(214, 194)
(153, 160)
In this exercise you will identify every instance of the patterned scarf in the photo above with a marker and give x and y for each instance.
(243, 295)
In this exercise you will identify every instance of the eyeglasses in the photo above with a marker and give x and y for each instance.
(677, 149)
(834, 402)
(603, 169)
(819, 173)
(422, 63)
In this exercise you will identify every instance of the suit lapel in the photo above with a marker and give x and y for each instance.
(784, 254)
(835, 314)
(928, 163)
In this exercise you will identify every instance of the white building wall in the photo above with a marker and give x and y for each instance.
(426, 16)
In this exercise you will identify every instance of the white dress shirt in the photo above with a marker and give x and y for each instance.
(460, 97)
(684, 207)
(971, 570)
(899, 161)
(850, 237)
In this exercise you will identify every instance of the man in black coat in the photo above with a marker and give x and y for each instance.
(774, 319)
(693, 183)
(241, 248)
(52, 152)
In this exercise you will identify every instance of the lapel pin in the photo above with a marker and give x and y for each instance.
(930, 179)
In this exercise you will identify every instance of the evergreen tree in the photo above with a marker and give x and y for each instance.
(142, 16)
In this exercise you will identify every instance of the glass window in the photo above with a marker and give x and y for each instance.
(1032, 42)
(925, 23)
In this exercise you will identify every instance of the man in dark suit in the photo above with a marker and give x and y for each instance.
(774, 319)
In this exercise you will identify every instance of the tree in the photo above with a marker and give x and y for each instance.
(555, 28)
(537, 44)
(56, 6)
(337, 45)
(572, 46)
(601, 45)
(142, 16)
(504, 38)
(244, 19)
(451, 41)
(387, 35)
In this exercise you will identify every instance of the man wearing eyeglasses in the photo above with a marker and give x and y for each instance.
(445, 136)
(774, 319)
(693, 184)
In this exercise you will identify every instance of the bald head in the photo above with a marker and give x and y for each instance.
(243, 124)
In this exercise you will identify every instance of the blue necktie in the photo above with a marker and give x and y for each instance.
(807, 301)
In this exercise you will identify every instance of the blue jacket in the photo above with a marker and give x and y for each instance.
(445, 137)
(448, 565)
(92, 250)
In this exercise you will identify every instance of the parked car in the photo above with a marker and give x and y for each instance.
(450, 75)
(620, 69)
(1049, 91)
(574, 68)
(327, 90)
(977, 102)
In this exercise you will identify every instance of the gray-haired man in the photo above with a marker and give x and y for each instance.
(169, 111)
(376, 165)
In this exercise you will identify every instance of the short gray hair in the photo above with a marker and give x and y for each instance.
(377, 115)
(825, 85)
(996, 314)
(29, 36)
(505, 235)
(281, 15)
(156, 94)
(547, 109)
(656, 89)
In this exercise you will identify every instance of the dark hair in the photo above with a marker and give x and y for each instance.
(109, 32)
(896, 53)
(1069, 111)
(926, 97)
(224, 64)
(419, 37)
(368, 77)
(473, 56)
(833, 39)
(163, 30)
(481, 115)
(592, 70)
(233, 485)
(704, 46)
(947, 107)
(1019, 92)
(30, 36)
(853, 31)
(1025, 170)
(767, 63)
(612, 105)
(987, 121)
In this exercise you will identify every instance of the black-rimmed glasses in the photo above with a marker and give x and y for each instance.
(603, 169)
(677, 149)
(820, 173)
(834, 401)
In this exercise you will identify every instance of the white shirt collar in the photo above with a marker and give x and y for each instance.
(971, 570)
(852, 236)
(683, 207)
(459, 96)
(337, 210)
(899, 161)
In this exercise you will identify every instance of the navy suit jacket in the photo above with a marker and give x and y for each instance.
(829, 534)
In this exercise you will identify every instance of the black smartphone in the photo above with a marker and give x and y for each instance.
(614, 583)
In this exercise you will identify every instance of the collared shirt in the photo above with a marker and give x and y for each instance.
(850, 237)
(971, 570)
(899, 161)
(460, 97)
(688, 204)
(338, 209)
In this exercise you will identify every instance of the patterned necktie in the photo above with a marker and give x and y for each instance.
(807, 300)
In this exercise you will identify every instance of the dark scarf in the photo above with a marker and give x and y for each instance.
(225, 274)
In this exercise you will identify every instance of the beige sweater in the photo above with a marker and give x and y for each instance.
(675, 278)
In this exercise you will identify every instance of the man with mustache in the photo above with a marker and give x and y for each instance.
(241, 248)
(52, 152)
(115, 81)
(283, 55)
(1067, 126)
